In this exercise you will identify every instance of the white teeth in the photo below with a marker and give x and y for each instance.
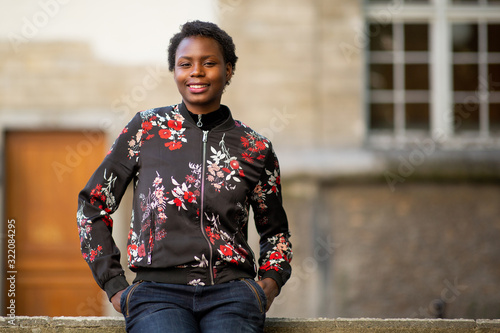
(198, 86)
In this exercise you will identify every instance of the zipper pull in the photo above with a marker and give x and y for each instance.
(199, 123)
(205, 136)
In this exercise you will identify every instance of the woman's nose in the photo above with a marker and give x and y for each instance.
(197, 70)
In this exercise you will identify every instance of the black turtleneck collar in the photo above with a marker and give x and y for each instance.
(210, 120)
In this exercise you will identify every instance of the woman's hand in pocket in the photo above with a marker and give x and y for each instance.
(271, 290)
(115, 300)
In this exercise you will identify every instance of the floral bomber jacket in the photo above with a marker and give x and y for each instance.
(192, 193)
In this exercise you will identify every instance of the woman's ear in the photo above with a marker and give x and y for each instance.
(229, 71)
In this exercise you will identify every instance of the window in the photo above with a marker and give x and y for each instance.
(433, 70)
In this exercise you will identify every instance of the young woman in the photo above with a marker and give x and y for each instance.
(196, 171)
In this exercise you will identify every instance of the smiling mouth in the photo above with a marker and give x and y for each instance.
(198, 86)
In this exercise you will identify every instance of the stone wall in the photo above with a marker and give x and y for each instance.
(365, 245)
(273, 325)
(293, 83)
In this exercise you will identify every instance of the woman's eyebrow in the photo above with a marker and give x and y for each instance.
(191, 58)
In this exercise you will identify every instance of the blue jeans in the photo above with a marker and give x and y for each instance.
(236, 306)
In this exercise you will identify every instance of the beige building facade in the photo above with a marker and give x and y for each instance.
(394, 221)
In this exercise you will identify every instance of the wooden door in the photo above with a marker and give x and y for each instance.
(44, 172)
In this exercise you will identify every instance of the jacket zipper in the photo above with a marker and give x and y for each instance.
(151, 238)
(202, 213)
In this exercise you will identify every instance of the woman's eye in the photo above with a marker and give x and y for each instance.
(210, 64)
(184, 65)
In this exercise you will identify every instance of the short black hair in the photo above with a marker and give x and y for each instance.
(204, 29)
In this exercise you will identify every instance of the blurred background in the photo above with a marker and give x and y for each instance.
(385, 116)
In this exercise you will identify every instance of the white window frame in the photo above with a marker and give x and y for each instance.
(439, 15)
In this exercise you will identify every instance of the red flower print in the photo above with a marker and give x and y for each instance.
(175, 124)
(146, 126)
(226, 170)
(165, 133)
(278, 180)
(234, 164)
(178, 202)
(266, 266)
(173, 145)
(241, 173)
(276, 255)
(189, 196)
(190, 179)
(99, 248)
(245, 142)
(247, 157)
(213, 236)
(108, 221)
(141, 251)
(260, 145)
(226, 250)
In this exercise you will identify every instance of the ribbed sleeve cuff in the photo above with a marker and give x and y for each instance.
(276, 277)
(114, 285)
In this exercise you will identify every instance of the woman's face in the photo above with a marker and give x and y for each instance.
(201, 73)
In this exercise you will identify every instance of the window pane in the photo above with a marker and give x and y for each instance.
(382, 116)
(466, 117)
(417, 116)
(465, 38)
(495, 118)
(494, 37)
(381, 76)
(416, 37)
(381, 37)
(494, 77)
(417, 76)
(465, 77)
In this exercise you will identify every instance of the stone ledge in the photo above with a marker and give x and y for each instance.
(273, 325)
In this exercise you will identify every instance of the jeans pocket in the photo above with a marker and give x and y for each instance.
(125, 298)
(258, 292)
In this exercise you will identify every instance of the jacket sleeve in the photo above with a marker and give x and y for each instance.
(272, 224)
(99, 199)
